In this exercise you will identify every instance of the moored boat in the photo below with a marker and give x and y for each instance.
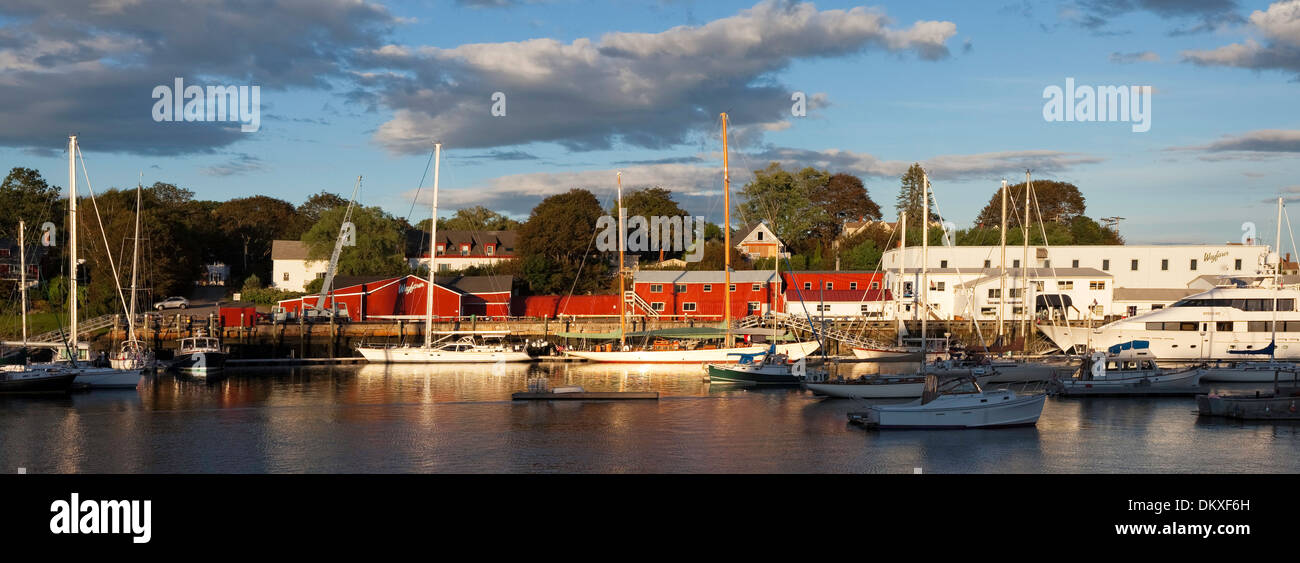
(1128, 369)
(956, 403)
(462, 351)
(199, 355)
(21, 379)
(767, 368)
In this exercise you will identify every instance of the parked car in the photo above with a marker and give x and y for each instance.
(172, 303)
(282, 315)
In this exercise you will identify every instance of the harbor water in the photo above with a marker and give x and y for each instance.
(400, 419)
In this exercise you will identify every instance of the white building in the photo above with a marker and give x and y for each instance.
(1137, 277)
(458, 250)
(290, 268)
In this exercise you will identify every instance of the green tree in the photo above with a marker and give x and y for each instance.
(556, 244)
(843, 197)
(909, 196)
(1058, 202)
(252, 223)
(380, 245)
(28, 197)
(860, 254)
(783, 199)
(310, 211)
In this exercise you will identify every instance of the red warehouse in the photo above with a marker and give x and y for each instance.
(376, 298)
(701, 295)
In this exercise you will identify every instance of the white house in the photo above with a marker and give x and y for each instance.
(290, 268)
(760, 241)
(1164, 273)
(1070, 293)
(458, 250)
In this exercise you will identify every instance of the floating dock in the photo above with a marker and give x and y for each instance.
(586, 395)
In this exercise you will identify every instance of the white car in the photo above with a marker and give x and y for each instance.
(172, 303)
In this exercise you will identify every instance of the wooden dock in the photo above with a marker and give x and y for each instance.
(587, 396)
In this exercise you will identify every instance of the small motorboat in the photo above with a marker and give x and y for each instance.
(199, 355)
(957, 402)
(1128, 369)
(762, 368)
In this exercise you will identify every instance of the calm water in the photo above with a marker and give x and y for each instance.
(445, 419)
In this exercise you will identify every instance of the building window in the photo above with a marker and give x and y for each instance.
(1193, 264)
(875, 285)
(823, 308)
(657, 306)
(1133, 266)
(1133, 310)
(807, 286)
(1015, 293)
(937, 286)
(760, 235)
(1105, 264)
(995, 293)
(464, 250)
(1015, 263)
(986, 311)
(1074, 263)
(688, 306)
(1164, 265)
(1065, 285)
(1047, 263)
(830, 285)
(491, 250)
(1017, 310)
(757, 287)
(1038, 286)
(853, 286)
(442, 249)
(656, 288)
(732, 287)
(1097, 285)
(1236, 264)
(988, 264)
(753, 307)
(943, 263)
(708, 287)
(286, 276)
(679, 288)
(320, 275)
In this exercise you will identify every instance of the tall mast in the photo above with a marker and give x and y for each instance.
(1002, 263)
(902, 262)
(622, 288)
(72, 245)
(1277, 280)
(726, 232)
(1024, 271)
(925, 259)
(433, 250)
(22, 284)
(135, 260)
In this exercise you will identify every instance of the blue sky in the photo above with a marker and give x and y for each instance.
(595, 87)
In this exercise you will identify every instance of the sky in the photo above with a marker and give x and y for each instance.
(359, 87)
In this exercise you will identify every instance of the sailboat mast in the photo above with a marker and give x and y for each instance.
(902, 262)
(726, 232)
(1024, 271)
(622, 287)
(925, 259)
(72, 245)
(135, 261)
(1002, 263)
(1277, 280)
(22, 276)
(433, 250)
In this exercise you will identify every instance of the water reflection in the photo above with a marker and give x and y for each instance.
(395, 418)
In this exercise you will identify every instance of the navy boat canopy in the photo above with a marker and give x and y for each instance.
(1130, 345)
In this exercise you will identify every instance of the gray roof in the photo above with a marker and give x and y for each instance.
(477, 284)
(288, 250)
(1152, 294)
(1037, 273)
(703, 276)
(417, 242)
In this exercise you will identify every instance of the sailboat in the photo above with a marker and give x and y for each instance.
(464, 350)
(25, 378)
(721, 354)
(882, 351)
(87, 377)
(899, 385)
(134, 354)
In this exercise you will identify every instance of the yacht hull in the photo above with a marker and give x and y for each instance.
(417, 355)
(200, 362)
(106, 378)
(794, 351)
(756, 374)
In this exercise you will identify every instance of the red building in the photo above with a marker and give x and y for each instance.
(553, 306)
(702, 295)
(832, 280)
(377, 298)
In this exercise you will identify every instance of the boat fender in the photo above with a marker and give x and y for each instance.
(1292, 406)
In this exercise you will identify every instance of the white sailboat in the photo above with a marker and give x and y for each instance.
(134, 354)
(464, 350)
(88, 377)
(722, 354)
(26, 378)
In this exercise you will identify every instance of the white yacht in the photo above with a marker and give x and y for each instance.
(1224, 323)
(463, 351)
